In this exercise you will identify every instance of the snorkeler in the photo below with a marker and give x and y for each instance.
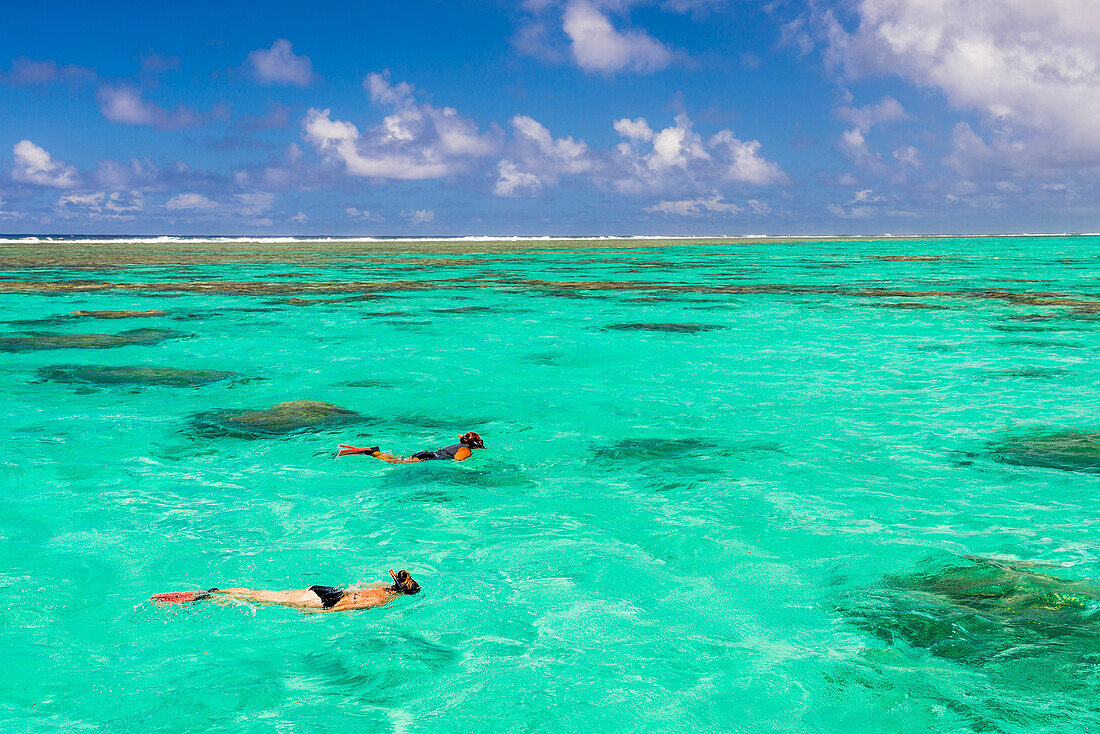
(313, 599)
(461, 451)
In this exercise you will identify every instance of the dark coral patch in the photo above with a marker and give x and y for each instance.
(118, 314)
(131, 375)
(278, 420)
(1038, 373)
(1053, 449)
(467, 309)
(974, 610)
(912, 306)
(669, 328)
(48, 340)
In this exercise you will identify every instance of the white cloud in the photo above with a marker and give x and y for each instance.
(362, 214)
(255, 203)
(190, 201)
(420, 216)
(118, 205)
(415, 141)
(514, 182)
(634, 129)
(760, 208)
(973, 157)
(702, 206)
(299, 218)
(598, 46)
(542, 158)
(1031, 69)
(888, 109)
(36, 166)
(854, 141)
(907, 155)
(677, 157)
(125, 105)
(860, 205)
(565, 155)
(280, 65)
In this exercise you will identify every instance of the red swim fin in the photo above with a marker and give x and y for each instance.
(346, 450)
(180, 597)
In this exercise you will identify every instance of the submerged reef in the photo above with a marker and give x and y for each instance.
(52, 340)
(978, 610)
(672, 328)
(1054, 449)
(131, 375)
(118, 314)
(280, 419)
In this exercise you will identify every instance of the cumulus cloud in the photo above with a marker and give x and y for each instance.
(415, 141)
(419, 216)
(598, 46)
(699, 207)
(863, 118)
(855, 146)
(907, 155)
(678, 157)
(634, 129)
(1031, 69)
(189, 202)
(362, 215)
(255, 203)
(860, 206)
(35, 165)
(867, 196)
(126, 106)
(542, 158)
(279, 65)
(675, 159)
(513, 182)
(117, 205)
(854, 141)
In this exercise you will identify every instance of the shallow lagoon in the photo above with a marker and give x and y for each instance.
(710, 462)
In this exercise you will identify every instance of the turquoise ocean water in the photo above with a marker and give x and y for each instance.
(714, 471)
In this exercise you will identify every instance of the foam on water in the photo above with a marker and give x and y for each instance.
(774, 514)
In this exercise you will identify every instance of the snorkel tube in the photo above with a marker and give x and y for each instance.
(403, 583)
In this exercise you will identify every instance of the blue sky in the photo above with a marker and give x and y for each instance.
(550, 117)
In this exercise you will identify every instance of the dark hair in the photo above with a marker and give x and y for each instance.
(404, 584)
(472, 440)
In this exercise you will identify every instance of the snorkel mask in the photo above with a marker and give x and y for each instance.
(403, 583)
(471, 440)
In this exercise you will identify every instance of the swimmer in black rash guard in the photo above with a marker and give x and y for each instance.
(460, 451)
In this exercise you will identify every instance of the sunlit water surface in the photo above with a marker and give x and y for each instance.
(674, 528)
